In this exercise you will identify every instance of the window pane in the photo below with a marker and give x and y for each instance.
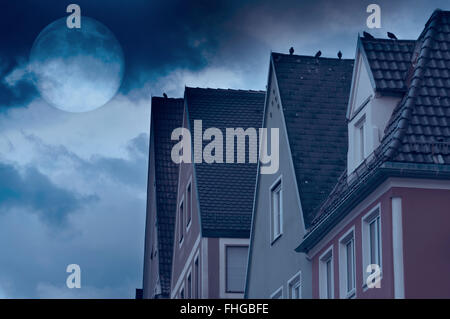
(181, 217)
(197, 279)
(275, 199)
(328, 274)
(372, 242)
(361, 141)
(378, 241)
(236, 260)
(189, 286)
(350, 266)
(276, 211)
(188, 204)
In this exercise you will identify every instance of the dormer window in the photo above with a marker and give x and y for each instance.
(360, 140)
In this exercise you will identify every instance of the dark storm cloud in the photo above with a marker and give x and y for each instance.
(35, 191)
(161, 36)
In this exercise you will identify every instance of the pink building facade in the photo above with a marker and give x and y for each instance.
(414, 241)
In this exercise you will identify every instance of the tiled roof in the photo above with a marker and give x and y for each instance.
(389, 61)
(314, 95)
(167, 114)
(419, 130)
(226, 191)
(418, 134)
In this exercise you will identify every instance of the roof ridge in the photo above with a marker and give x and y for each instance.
(310, 56)
(224, 89)
(386, 40)
(167, 98)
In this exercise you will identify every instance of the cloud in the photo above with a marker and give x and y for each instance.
(18, 74)
(49, 291)
(214, 77)
(34, 190)
(103, 235)
(93, 168)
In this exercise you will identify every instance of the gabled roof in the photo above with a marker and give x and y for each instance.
(167, 114)
(417, 139)
(389, 60)
(225, 191)
(314, 94)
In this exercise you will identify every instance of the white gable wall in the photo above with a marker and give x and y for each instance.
(375, 108)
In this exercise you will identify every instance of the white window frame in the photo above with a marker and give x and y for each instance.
(343, 266)
(277, 294)
(181, 223)
(374, 213)
(189, 222)
(294, 282)
(360, 141)
(323, 259)
(278, 183)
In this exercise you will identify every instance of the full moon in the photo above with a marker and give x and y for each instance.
(77, 70)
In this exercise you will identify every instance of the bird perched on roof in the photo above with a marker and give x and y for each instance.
(291, 51)
(391, 36)
(340, 55)
(368, 36)
(165, 95)
(318, 54)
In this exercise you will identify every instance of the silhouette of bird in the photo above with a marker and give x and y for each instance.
(291, 51)
(340, 55)
(367, 35)
(318, 54)
(391, 36)
(165, 95)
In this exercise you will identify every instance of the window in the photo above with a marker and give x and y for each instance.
(277, 210)
(371, 232)
(197, 279)
(326, 275)
(236, 266)
(189, 286)
(278, 294)
(188, 204)
(294, 285)
(374, 238)
(360, 139)
(181, 222)
(182, 293)
(347, 265)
